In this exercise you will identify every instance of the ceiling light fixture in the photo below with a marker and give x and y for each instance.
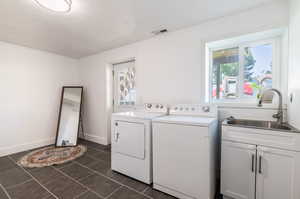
(56, 5)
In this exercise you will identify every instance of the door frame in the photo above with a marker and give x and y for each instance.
(109, 94)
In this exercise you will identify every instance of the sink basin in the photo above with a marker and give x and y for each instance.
(270, 125)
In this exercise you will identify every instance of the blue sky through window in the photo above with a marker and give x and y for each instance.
(263, 56)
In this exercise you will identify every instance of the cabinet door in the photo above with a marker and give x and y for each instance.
(238, 170)
(277, 174)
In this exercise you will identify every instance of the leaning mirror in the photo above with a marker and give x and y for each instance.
(69, 116)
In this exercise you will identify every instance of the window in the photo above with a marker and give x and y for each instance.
(124, 84)
(241, 70)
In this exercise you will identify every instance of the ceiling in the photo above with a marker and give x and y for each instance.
(97, 25)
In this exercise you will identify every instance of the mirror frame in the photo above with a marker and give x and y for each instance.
(59, 115)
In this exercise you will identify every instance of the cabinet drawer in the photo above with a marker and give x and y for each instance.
(276, 139)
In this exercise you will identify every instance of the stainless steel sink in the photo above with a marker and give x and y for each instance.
(269, 125)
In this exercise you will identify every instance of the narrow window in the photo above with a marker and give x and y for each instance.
(124, 85)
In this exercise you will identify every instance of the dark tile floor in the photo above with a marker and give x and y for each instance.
(88, 177)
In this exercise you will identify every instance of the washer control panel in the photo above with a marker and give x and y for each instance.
(193, 109)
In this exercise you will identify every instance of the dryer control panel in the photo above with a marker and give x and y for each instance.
(156, 108)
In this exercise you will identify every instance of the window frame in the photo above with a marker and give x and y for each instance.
(116, 94)
(275, 41)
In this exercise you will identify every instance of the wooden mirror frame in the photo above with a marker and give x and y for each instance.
(60, 109)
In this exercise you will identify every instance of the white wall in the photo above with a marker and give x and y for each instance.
(170, 67)
(294, 71)
(30, 82)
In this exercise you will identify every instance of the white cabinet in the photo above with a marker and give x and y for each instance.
(258, 169)
(277, 173)
(238, 170)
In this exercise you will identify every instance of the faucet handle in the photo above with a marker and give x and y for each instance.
(260, 102)
(277, 115)
(230, 118)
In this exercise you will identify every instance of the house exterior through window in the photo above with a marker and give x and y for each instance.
(239, 71)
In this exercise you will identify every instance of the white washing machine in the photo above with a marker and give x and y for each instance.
(185, 152)
(131, 141)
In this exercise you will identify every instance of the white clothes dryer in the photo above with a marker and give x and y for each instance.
(131, 141)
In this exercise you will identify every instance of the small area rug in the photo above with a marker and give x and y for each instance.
(51, 156)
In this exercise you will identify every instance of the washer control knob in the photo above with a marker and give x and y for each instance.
(205, 108)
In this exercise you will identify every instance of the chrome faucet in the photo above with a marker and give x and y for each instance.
(279, 114)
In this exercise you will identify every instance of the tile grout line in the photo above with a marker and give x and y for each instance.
(58, 169)
(90, 156)
(64, 165)
(116, 181)
(94, 158)
(145, 189)
(117, 189)
(122, 185)
(5, 191)
(92, 146)
(46, 197)
(36, 180)
(81, 194)
(96, 149)
(12, 186)
(83, 178)
(93, 172)
(79, 182)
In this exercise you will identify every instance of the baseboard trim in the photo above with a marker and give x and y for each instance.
(94, 138)
(24, 147)
(4, 151)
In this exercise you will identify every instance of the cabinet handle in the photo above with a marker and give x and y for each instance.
(252, 164)
(260, 165)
